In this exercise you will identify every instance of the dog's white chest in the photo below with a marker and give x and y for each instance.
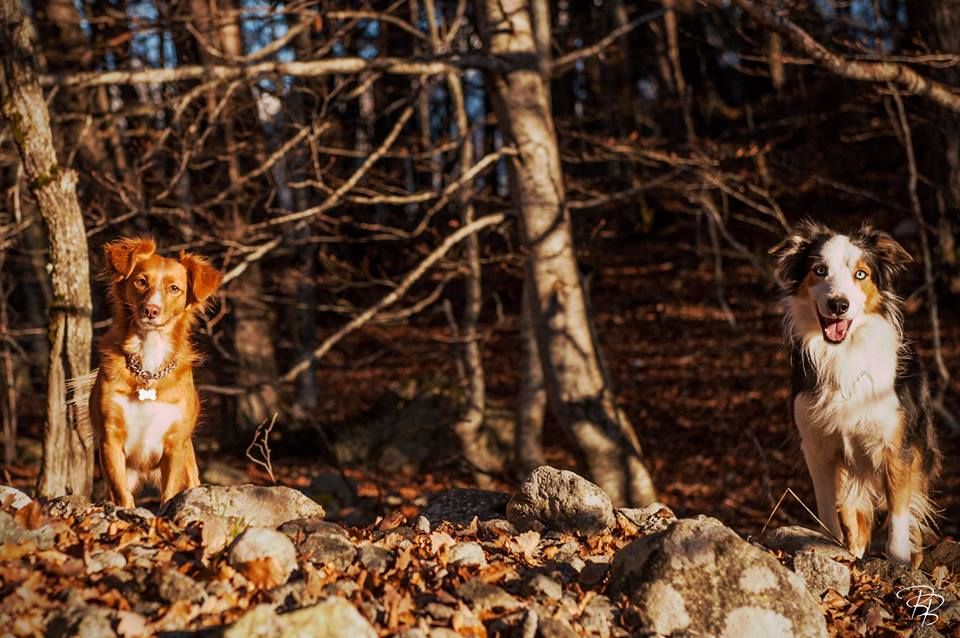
(147, 423)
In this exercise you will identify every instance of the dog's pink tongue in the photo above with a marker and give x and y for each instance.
(836, 329)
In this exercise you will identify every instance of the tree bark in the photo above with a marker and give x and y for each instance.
(67, 445)
(578, 393)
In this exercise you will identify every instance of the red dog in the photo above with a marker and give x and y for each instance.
(143, 405)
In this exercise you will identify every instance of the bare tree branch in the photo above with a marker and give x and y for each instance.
(903, 76)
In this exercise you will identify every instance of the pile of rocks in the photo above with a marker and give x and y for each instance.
(554, 559)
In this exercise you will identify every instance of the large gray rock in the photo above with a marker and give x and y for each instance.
(333, 618)
(700, 578)
(241, 506)
(562, 501)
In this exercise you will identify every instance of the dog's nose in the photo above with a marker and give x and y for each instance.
(151, 311)
(838, 305)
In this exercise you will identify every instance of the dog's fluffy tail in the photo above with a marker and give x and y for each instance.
(78, 399)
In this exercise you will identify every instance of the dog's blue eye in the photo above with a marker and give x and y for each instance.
(820, 271)
(861, 274)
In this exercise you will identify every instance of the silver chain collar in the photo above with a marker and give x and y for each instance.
(135, 365)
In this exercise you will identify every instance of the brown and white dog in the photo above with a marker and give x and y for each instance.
(860, 396)
(143, 405)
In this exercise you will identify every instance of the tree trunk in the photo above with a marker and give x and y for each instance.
(578, 393)
(67, 446)
(532, 402)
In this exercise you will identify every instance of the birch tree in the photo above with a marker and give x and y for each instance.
(67, 446)
(578, 392)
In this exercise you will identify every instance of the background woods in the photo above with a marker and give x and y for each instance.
(453, 230)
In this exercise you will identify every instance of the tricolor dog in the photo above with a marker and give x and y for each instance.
(860, 397)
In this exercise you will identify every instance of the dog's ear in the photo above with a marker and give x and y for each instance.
(122, 254)
(891, 258)
(202, 278)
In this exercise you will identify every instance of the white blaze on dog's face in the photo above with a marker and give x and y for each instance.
(836, 286)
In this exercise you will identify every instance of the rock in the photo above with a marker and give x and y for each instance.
(700, 578)
(375, 558)
(258, 550)
(422, 525)
(332, 618)
(324, 548)
(217, 472)
(894, 573)
(554, 628)
(598, 617)
(820, 572)
(793, 538)
(496, 527)
(561, 501)
(542, 586)
(651, 519)
(594, 571)
(12, 498)
(461, 505)
(300, 528)
(241, 506)
(173, 586)
(484, 596)
(439, 612)
(108, 559)
(81, 622)
(467, 554)
(66, 506)
(947, 552)
(10, 530)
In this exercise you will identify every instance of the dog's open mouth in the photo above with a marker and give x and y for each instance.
(834, 329)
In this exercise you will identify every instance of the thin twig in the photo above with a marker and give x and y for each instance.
(261, 444)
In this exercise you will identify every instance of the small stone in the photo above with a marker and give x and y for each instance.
(651, 519)
(467, 554)
(484, 596)
(375, 558)
(598, 617)
(422, 525)
(10, 530)
(554, 628)
(332, 618)
(173, 586)
(12, 498)
(303, 527)
(821, 573)
(543, 586)
(438, 611)
(108, 559)
(495, 528)
(265, 552)
(791, 539)
(593, 572)
(136, 515)
(561, 501)
(332, 550)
